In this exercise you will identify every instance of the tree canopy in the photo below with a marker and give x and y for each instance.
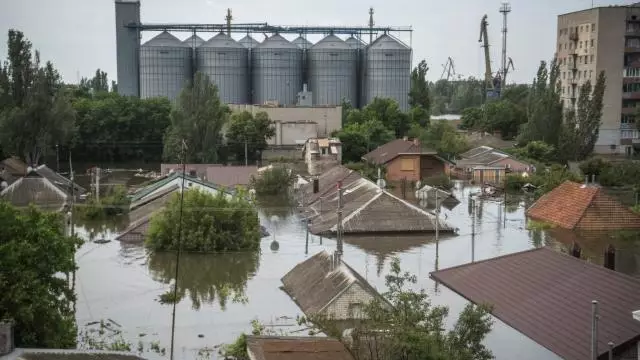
(34, 251)
(254, 131)
(211, 223)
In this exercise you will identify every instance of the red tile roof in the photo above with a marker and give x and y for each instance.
(296, 348)
(578, 206)
(546, 295)
(389, 151)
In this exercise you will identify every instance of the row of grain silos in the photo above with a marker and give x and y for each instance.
(247, 71)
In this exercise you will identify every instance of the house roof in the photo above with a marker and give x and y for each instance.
(149, 189)
(572, 205)
(369, 209)
(296, 348)
(200, 169)
(59, 180)
(136, 231)
(389, 151)
(35, 189)
(476, 152)
(15, 166)
(546, 295)
(316, 282)
(327, 182)
(230, 175)
(151, 204)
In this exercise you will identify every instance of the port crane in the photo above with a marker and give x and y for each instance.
(492, 84)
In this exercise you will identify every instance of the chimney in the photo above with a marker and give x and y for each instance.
(316, 185)
(416, 142)
(6, 337)
(610, 258)
(586, 179)
(593, 178)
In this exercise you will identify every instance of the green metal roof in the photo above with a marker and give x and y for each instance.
(161, 182)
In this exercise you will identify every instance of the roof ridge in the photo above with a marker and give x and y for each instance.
(489, 259)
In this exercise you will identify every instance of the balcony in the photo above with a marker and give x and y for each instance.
(632, 33)
(632, 50)
(631, 95)
(630, 110)
(573, 36)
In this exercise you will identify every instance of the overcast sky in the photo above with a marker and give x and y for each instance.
(79, 35)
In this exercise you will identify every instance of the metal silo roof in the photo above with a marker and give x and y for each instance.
(302, 43)
(277, 42)
(194, 38)
(248, 42)
(222, 40)
(331, 42)
(164, 39)
(386, 42)
(354, 43)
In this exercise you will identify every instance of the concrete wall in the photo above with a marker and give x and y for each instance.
(127, 47)
(328, 118)
(342, 307)
(293, 133)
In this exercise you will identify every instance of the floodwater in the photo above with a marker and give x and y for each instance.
(220, 294)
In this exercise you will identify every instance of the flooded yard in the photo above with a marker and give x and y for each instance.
(222, 293)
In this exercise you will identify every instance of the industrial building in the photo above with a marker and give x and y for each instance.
(341, 66)
(604, 39)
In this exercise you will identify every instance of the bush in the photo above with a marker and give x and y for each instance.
(515, 182)
(636, 209)
(549, 178)
(114, 202)
(439, 181)
(537, 151)
(211, 223)
(274, 181)
(594, 166)
(626, 173)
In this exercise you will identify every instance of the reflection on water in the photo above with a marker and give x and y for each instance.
(206, 278)
(278, 206)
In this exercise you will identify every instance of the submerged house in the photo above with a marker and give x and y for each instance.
(36, 189)
(366, 207)
(326, 286)
(298, 348)
(485, 164)
(174, 179)
(547, 296)
(575, 206)
(140, 213)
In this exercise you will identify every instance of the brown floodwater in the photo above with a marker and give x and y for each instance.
(220, 294)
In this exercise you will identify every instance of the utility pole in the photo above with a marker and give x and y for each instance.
(228, 18)
(594, 330)
(339, 225)
(57, 160)
(246, 152)
(473, 229)
(437, 218)
(97, 169)
(505, 9)
(371, 23)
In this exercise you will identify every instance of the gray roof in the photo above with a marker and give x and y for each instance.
(302, 43)
(475, 152)
(59, 180)
(165, 39)
(277, 42)
(35, 189)
(386, 42)
(249, 42)
(149, 205)
(369, 209)
(190, 40)
(222, 40)
(331, 42)
(316, 282)
(354, 43)
(298, 348)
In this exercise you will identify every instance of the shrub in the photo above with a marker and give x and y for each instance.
(620, 174)
(515, 182)
(114, 202)
(594, 166)
(274, 181)
(211, 223)
(539, 225)
(636, 209)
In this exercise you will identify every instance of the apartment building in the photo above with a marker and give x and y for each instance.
(604, 39)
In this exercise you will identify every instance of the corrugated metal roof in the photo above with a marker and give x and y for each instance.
(59, 180)
(165, 39)
(277, 42)
(35, 189)
(302, 43)
(222, 40)
(475, 152)
(331, 42)
(386, 42)
(546, 295)
(354, 43)
(248, 42)
(296, 348)
(389, 151)
(194, 40)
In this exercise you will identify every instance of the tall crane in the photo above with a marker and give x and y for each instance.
(448, 69)
(506, 70)
(492, 85)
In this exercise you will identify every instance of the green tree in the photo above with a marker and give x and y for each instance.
(198, 119)
(387, 112)
(274, 181)
(419, 97)
(545, 109)
(359, 138)
(582, 125)
(211, 223)
(252, 131)
(472, 118)
(406, 326)
(99, 83)
(442, 137)
(34, 251)
(503, 116)
(37, 113)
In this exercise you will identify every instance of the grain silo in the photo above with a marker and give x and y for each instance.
(248, 42)
(165, 67)
(354, 43)
(333, 71)
(194, 41)
(388, 71)
(226, 64)
(302, 43)
(276, 66)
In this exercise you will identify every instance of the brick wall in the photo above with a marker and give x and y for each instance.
(431, 166)
(345, 306)
(395, 172)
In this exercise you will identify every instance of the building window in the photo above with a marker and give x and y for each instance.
(584, 74)
(406, 165)
(580, 44)
(592, 59)
(565, 46)
(593, 27)
(590, 73)
(634, 87)
(579, 74)
(591, 42)
(559, 47)
(580, 28)
(628, 119)
(563, 74)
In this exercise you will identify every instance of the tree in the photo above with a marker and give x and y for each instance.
(250, 133)
(545, 108)
(441, 137)
(99, 83)
(471, 118)
(406, 326)
(274, 181)
(34, 250)
(198, 119)
(211, 223)
(503, 116)
(359, 138)
(388, 113)
(19, 67)
(419, 97)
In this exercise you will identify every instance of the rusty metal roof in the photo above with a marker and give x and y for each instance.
(546, 295)
(296, 348)
(389, 151)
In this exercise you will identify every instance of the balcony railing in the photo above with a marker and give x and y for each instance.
(630, 134)
(631, 95)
